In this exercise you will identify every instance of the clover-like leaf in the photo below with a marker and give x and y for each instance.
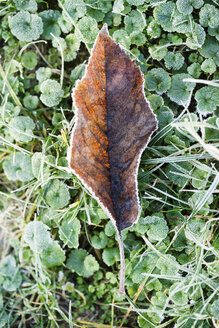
(196, 38)
(75, 9)
(57, 194)
(122, 37)
(181, 22)
(184, 170)
(69, 231)
(174, 60)
(29, 59)
(194, 70)
(87, 29)
(91, 264)
(145, 265)
(31, 102)
(8, 110)
(179, 90)
(158, 231)
(208, 66)
(186, 6)
(39, 168)
(29, 5)
(99, 241)
(76, 263)
(50, 23)
(43, 73)
(195, 229)
(209, 16)
(177, 295)
(25, 26)
(210, 49)
(211, 133)
(53, 255)
(164, 14)
(157, 80)
(10, 276)
(21, 128)
(37, 236)
(134, 21)
(215, 309)
(17, 166)
(52, 92)
(199, 177)
(207, 99)
(110, 255)
(72, 46)
(167, 265)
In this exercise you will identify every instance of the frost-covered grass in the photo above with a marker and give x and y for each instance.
(59, 254)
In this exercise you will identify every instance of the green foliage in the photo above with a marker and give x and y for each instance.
(31, 102)
(174, 61)
(110, 255)
(83, 264)
(25, 26)
(43, 73)
(57, 194)
(59, 250)
(52, 93)
(17, 166)
(180, 91)
(29, 60)
(194, 70)
(69, 231)
(208, 66)
(186, 6)
(75, 9)
(10, 276)
(157, 80)
(134, 21)
(158, 230)
(167, 265)
(50, 25)
(87, 29)
(53, 255)
(207, 99)
(215, 309)
(209, 16)
(30, 5)
(99, 241)
(163, 15)
(21, 128)
(37, 236)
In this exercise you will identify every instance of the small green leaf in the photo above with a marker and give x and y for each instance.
(37, 236)
(52, 93)
(57, 194)
(17, 166)
(53, 255)
(69, 231)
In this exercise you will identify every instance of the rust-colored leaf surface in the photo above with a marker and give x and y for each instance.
(114, 123)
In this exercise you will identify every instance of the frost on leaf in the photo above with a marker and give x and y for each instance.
(25, 26)
(111, 131)
(37, 236)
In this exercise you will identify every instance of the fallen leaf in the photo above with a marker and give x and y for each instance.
(114, 123)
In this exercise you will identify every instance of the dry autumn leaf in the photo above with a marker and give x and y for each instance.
(114, 123)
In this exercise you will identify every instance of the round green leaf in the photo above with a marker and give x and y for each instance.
(57, 194)
(25, 26)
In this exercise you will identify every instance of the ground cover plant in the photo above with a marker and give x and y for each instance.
(59, 254)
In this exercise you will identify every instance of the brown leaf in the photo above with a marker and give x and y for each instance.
(114, 123)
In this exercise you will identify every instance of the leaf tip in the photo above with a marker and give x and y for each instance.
(104, 29)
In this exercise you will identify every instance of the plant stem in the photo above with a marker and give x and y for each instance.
(122, 262)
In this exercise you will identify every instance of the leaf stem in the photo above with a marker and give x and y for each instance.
(122, 262)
